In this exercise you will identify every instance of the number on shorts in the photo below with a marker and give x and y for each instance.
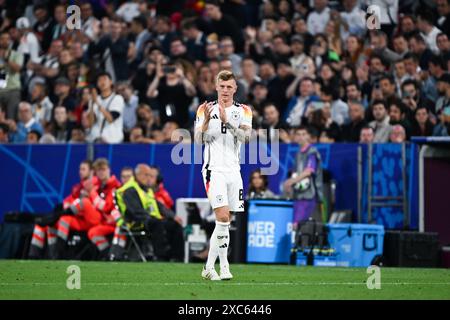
(241, 194)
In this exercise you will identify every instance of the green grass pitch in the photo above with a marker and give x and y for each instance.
(24, 279)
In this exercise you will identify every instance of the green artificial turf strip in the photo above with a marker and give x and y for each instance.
(25, 279)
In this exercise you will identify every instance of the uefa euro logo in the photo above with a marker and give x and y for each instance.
(373, 17)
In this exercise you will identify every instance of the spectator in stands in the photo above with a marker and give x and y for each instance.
(4, 133)
(422, 126)
(418, 47)
(33, 137)
(206, 85)
(197, 41)
(258, 187)
(29, 44)
(436, 69)
(169, 134)
(77, 135)
(131, 102)
(379, 43)
(298, 105)
(90, 25)
(397, 115)
(318, 19)
(443, 21)
(146, 120)
(351, 131)
(353, 21)
(354, 94)
(380, 125)
(443, 86)
(106, 112)
(139, 30)
(443, 44)
(61, 126)
(11, 62)
(367, 135)
(174, 92)
(226, 47)
(137, 136)
(60, 25)
(26, 124)
(46, 66)
(272, 125)
(397, 134)
(113, 50)
(44, 25)
(339, 109)
(408, 25)
(41, 104)
(400, 45)
(412, 98)
(63, 95)
(387, 86)
(223, 24)
(400, 76)
(428, 30)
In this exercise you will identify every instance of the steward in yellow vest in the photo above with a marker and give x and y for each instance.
(139, 208)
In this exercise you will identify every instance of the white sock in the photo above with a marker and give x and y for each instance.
(219, 238)
(213, 250)
(223, 241)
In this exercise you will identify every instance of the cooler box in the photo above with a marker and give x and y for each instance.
(356, 245)
(269, 231)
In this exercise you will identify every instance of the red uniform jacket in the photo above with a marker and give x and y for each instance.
(76, 192)
(103, 198)
(163, 196)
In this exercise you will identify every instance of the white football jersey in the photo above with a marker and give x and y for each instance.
(222, 153)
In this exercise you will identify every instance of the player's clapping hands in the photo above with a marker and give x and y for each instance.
(222, 114)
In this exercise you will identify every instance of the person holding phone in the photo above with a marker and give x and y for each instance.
(174, 92)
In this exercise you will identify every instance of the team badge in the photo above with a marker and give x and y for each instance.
(235, 115)
(219, 198)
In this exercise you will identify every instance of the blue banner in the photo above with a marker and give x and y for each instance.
(36, 177)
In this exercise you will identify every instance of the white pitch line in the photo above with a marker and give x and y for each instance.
(233, 284)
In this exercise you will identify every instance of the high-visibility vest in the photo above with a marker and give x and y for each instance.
(147, 199)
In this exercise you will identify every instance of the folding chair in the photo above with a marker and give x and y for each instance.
(140, 241)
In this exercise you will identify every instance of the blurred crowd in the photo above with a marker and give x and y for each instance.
(137, 70)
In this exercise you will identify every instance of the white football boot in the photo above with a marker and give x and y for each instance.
(210, 274)
(225, 273)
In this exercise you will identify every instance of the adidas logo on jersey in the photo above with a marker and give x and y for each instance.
(223, 246)
(214, 117)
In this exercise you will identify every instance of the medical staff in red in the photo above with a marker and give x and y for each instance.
(105, 203)
(94, 213)
(46, 226)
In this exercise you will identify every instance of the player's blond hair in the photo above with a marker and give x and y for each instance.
(225, 75)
